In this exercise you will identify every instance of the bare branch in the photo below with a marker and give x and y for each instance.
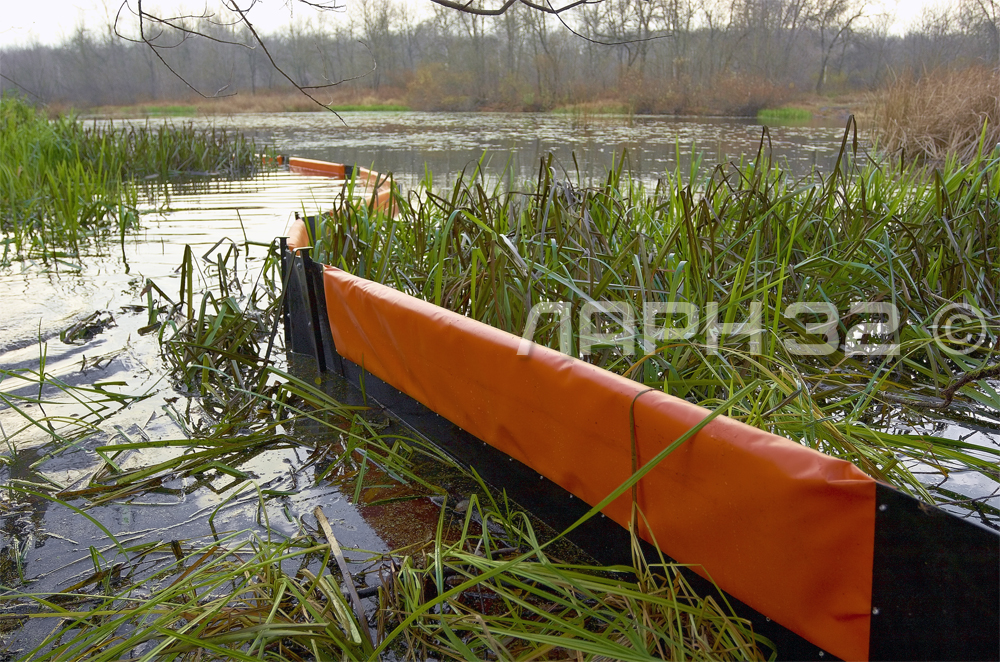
(325, 6)
(623, 42)
(172, 22)
(343, 80)
(470, 7)
(156, 51)
(304, 90)
(14, 82)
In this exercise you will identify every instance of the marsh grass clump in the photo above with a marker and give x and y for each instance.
(741, 241)
(63, 185)
(506, 597)
(247, 596)
(944, 114)
(784, 114)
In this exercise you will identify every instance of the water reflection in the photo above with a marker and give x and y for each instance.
(408, 144)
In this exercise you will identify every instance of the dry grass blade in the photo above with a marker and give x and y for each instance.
(359, 609)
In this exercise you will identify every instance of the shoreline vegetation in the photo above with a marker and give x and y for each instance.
(922, 240)
(64, 185)
(943, 114)
(804, 108)
(485, 582)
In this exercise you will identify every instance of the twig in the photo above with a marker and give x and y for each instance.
(359, 609)
(972, 376)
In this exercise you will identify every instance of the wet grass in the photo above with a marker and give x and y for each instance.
(66, 411)
(745, 237)
(474, 597)
(484, 584)
(64, 186)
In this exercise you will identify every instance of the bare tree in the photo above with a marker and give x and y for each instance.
(500, 7)
(834, 20)
(719, 50)
(985, 15)
(162, 34)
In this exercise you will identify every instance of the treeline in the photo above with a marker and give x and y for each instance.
(720, 56)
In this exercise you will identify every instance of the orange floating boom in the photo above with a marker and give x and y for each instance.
(806, 539)
(380, 185)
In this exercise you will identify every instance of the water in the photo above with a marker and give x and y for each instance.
(41, 300)
(403, 143)
(406, 144)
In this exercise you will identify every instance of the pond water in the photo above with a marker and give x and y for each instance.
(40, 300)
(411, 144)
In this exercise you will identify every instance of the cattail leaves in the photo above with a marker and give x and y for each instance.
(741, 235)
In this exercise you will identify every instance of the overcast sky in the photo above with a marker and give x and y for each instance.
(50, 21)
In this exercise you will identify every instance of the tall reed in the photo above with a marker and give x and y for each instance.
(63, 184)
(944, 114)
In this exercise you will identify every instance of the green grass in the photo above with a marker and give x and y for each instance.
(168, 111)
(64, 186)
(277, 599)
(785, 114)
(468, 591)
(923, 241)
(362, 108)
(738, 234)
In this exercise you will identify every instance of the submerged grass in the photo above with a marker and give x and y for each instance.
(63, 184)
(744, 241)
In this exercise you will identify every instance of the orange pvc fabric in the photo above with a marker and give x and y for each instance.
(786, 529)
(298, 235)
(382, 188)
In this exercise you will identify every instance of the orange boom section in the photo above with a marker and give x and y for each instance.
(780, 526)
(380, 186)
